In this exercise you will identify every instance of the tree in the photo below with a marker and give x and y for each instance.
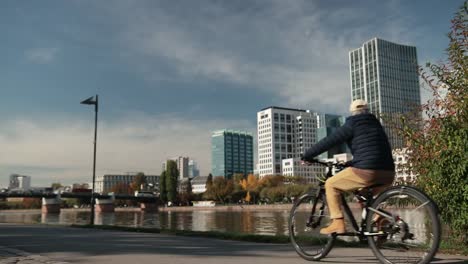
(251, 185)
(185, 194)
(437, 135)
(138, 181)
(172, 176)
(122, 188)
(56, 185)
(162, 187)
(222, 188)
(237, 179)
(209, 186)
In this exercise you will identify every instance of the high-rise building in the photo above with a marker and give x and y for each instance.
(182, 166)
(231, 152)
(385, 74)
(19, 182)
(193, 170)
(284, 133)
(326, 125)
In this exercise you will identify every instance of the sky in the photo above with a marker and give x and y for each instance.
(168, 73)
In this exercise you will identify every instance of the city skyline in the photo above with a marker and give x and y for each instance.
(169, 74)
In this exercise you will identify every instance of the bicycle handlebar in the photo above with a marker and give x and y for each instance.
(329, 163)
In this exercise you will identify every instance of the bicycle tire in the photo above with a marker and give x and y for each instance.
(432, 217)
(320, 251)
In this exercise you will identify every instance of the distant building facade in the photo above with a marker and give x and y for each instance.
(19, 182)
(231, 152)
(385, 74)
(105, 183)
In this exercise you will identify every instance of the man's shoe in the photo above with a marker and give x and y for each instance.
(337, 226)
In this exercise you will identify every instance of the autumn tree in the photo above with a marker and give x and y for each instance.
(437, 136)
(250, 185)
(138, 181)
(122, 188)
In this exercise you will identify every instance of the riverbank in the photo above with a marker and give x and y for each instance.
(233, 207)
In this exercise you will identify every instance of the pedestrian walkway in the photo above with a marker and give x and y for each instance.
(53, 245)
(15, 256)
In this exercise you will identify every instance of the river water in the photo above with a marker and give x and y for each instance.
(263, 222)
(253, 222)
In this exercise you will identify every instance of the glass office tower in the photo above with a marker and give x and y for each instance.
(231, 152)
(385, 74)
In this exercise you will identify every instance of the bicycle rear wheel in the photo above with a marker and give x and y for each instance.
(409, 224)
(305, 220)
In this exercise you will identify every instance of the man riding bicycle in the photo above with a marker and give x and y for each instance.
(372, 163)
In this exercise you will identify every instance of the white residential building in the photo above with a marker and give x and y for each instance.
(385, 74)
(342, 157)
(402, 170)
(283, 133)
(199, 184)
(294, 167)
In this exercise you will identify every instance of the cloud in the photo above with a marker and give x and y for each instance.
(296, 50)
(62, 150)
(41, 55)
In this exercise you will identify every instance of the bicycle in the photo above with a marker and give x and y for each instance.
(401, 225)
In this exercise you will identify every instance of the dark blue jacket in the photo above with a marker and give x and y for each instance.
(367, 140)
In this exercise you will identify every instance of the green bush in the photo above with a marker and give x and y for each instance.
(437, 136)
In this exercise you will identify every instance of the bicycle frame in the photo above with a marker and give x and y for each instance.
(366, 199)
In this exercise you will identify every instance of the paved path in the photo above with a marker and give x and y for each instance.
(29, 244)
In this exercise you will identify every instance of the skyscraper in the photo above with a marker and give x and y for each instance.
(19, 182)
(193, 170)
(326, 125)
(385, 74)
(231, 152)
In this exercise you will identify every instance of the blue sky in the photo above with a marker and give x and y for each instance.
(169, 72)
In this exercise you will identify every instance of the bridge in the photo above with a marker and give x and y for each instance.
(51, 202)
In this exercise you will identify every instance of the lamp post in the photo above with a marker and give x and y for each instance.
(92, 101)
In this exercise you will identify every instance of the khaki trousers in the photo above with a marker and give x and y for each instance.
(348, 180)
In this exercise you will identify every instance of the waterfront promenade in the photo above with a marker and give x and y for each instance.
(28, 244)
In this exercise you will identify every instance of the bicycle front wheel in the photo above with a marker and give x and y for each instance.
(408, 226)
(307, 216)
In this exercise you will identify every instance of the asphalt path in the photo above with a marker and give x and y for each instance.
(30, 244)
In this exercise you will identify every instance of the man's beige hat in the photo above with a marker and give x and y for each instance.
(358, 105)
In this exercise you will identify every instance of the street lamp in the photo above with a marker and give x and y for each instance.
(92, 101)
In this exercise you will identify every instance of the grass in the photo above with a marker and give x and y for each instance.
(453, 247)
